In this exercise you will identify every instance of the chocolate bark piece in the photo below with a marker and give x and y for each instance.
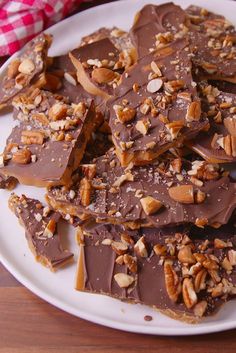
(152, 21)
(118, 37)
(156, 105)
(25, 70)
(218, 144)
(48, 142)
(101, 56)
(8, 183)
(213, 41)
(178, 271)
(40, 224)
(171, 192)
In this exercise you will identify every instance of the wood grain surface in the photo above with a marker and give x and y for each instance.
(30, 325)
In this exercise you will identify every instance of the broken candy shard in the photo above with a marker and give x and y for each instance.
(156, 105)
(48, 143)
(153, 194)
(25, 70)
(169, 269)
(218, 144)
(40, 224)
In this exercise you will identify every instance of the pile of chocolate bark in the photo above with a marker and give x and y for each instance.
(133, 134)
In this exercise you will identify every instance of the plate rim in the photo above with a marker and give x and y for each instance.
(194, 329)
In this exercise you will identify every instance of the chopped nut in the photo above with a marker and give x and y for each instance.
(12, 69)
(58, 111)
(182, 193)
(131, 263)
(232, 257)
(125, 177)
(220, 244)
(230, 124)
(85, 191)
(228, 143)
(103, 75)
(227, 265)
(123, 280)
(126, 239)
(174, 128)
(176, 165)
(200, 308)
(50, 229)
(150, 205)
(89, 170)
(173, 285)
(120, 260)
(154, 85)
(106, 241)
(119, 247)
(173, 86)
(201, 222)
(185, 255)
(22, 156)
(156, 69)
(200, 196)
(70, 78)
(189, 294)
(124, 114)
(26, 67)
(200, 280)
(140, 248)
(142, 126)
(193, 112)
(29, 137)
(160, 249)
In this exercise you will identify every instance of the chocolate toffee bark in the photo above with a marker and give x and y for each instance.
(168, 193)
(25, 70)
(96, 63)
(185, 274)
(218, 144)
(156, 105)
(155, 26)
(40, 224)
(211, 36)
(49, 140)
(213, 40)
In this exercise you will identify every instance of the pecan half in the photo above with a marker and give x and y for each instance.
(189, 294)
(172, 282)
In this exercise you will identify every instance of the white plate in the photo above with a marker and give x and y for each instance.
(57, 288)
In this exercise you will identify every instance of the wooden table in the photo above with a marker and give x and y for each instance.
(30, 325)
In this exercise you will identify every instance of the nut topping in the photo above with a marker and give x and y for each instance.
(123, 280)
(124, 115)
(150, 205)
(131, 263)
(189, 294)
(119, 247)
(29, 137)
(182, 193)
(154, 85)
(22, 156)
(103, 75)
(85, 191)
(140, 248)
(185, 255)
(173, 285)
(12, 69)
(193, 112)
(26, 67)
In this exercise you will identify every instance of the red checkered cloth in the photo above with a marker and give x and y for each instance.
(21, 20)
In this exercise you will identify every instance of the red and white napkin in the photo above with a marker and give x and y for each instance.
(21, 20)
